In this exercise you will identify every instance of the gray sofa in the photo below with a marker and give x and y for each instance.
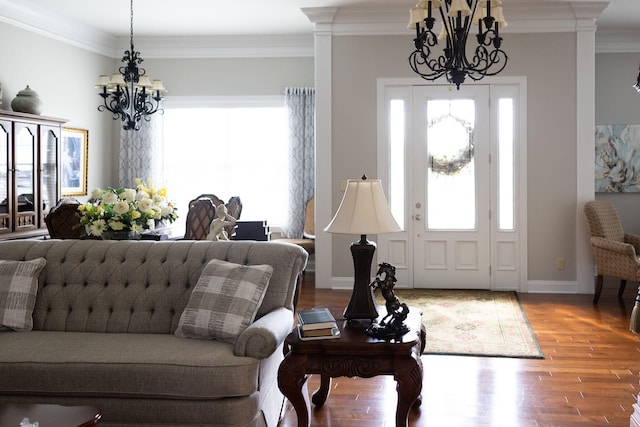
(103, 334)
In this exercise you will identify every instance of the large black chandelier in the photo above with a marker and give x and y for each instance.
(458, 18)
(130, 95)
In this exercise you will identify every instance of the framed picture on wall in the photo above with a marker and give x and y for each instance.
(617, 158)
(74, 157)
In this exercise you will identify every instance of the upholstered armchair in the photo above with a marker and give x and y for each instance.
(615, 252)
(308, 239)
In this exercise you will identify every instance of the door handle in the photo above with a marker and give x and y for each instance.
(417, 217)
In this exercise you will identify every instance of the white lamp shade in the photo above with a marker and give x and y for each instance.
(363, 210)
(442, 35)
(493, 3)
(499, 15)
(424, 4)
(158, 86)
(103, 81)
(496, 12)
(481, 13)
(416, 16)
(144, 81)
(459, 6)
(117, 80)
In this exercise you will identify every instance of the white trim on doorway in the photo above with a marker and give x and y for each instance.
(521, 213)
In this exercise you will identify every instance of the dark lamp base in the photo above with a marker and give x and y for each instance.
(362, 304)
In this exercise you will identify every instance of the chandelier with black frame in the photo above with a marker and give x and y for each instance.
(129, 94)
(458, 19)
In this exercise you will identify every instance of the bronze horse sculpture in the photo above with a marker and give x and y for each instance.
(392, 322)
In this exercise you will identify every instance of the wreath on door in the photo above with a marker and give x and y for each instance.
(453, 164)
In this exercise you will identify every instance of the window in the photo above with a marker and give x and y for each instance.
(451, 168)
(235, 149)
(396, 160)
(506, 173)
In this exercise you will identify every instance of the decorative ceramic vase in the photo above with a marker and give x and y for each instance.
(27, 101)
(120, 235)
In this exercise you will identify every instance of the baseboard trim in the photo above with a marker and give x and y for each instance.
(340, 283)
(551, 287)
(533, 286)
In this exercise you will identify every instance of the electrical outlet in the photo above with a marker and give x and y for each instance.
(560, 263)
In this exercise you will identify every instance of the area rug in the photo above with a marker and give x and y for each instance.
(473, 323)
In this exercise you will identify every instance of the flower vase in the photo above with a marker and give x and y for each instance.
(120, 235)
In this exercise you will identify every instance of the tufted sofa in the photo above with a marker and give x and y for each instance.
(103, 334)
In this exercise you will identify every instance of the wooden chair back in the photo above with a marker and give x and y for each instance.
(201, 212)
(214, 199)
(62, 221)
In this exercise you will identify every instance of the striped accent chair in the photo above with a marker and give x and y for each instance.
(615, 252)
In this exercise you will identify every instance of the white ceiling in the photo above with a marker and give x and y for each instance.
(248, 17)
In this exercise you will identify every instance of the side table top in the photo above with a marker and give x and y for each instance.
(353, 338)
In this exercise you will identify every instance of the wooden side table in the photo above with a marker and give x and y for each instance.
(354, 354)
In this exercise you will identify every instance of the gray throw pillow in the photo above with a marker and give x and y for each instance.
(18, 288)
(225, 300)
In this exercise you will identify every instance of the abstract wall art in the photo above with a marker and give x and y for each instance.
(617, 158)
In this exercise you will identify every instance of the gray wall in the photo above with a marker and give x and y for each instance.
(617, 102)
(549, 63)
(227, 77)
(64, 77)
(551, 133)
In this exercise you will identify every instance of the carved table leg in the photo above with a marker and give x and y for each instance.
(409, 378)
(292, 382)
(321, 394)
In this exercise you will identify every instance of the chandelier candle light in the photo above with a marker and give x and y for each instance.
(130, 95)
(363, 210)
(458, 18)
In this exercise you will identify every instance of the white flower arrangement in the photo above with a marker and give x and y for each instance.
(126, 209)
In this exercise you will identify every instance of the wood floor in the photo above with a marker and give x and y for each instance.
(589, 376)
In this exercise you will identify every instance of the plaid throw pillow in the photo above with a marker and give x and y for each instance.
(225, 300)
(18, 287)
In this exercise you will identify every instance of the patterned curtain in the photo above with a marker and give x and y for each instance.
(141, 152)
(300, 105)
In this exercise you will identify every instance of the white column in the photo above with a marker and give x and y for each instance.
(322, 19)
(585, 157)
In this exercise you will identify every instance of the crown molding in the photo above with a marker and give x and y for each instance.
(618, 42)
(84, 37)
(57, 27)
(297, 45)
(523, 17)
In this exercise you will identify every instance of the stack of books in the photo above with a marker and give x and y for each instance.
(317, 324)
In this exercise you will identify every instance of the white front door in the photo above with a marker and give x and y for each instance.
(450, 161)
(451, 188)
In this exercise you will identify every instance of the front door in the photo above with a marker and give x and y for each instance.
(451, 191)
(453, 171)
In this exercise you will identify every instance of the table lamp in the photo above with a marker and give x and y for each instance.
(363, 210)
